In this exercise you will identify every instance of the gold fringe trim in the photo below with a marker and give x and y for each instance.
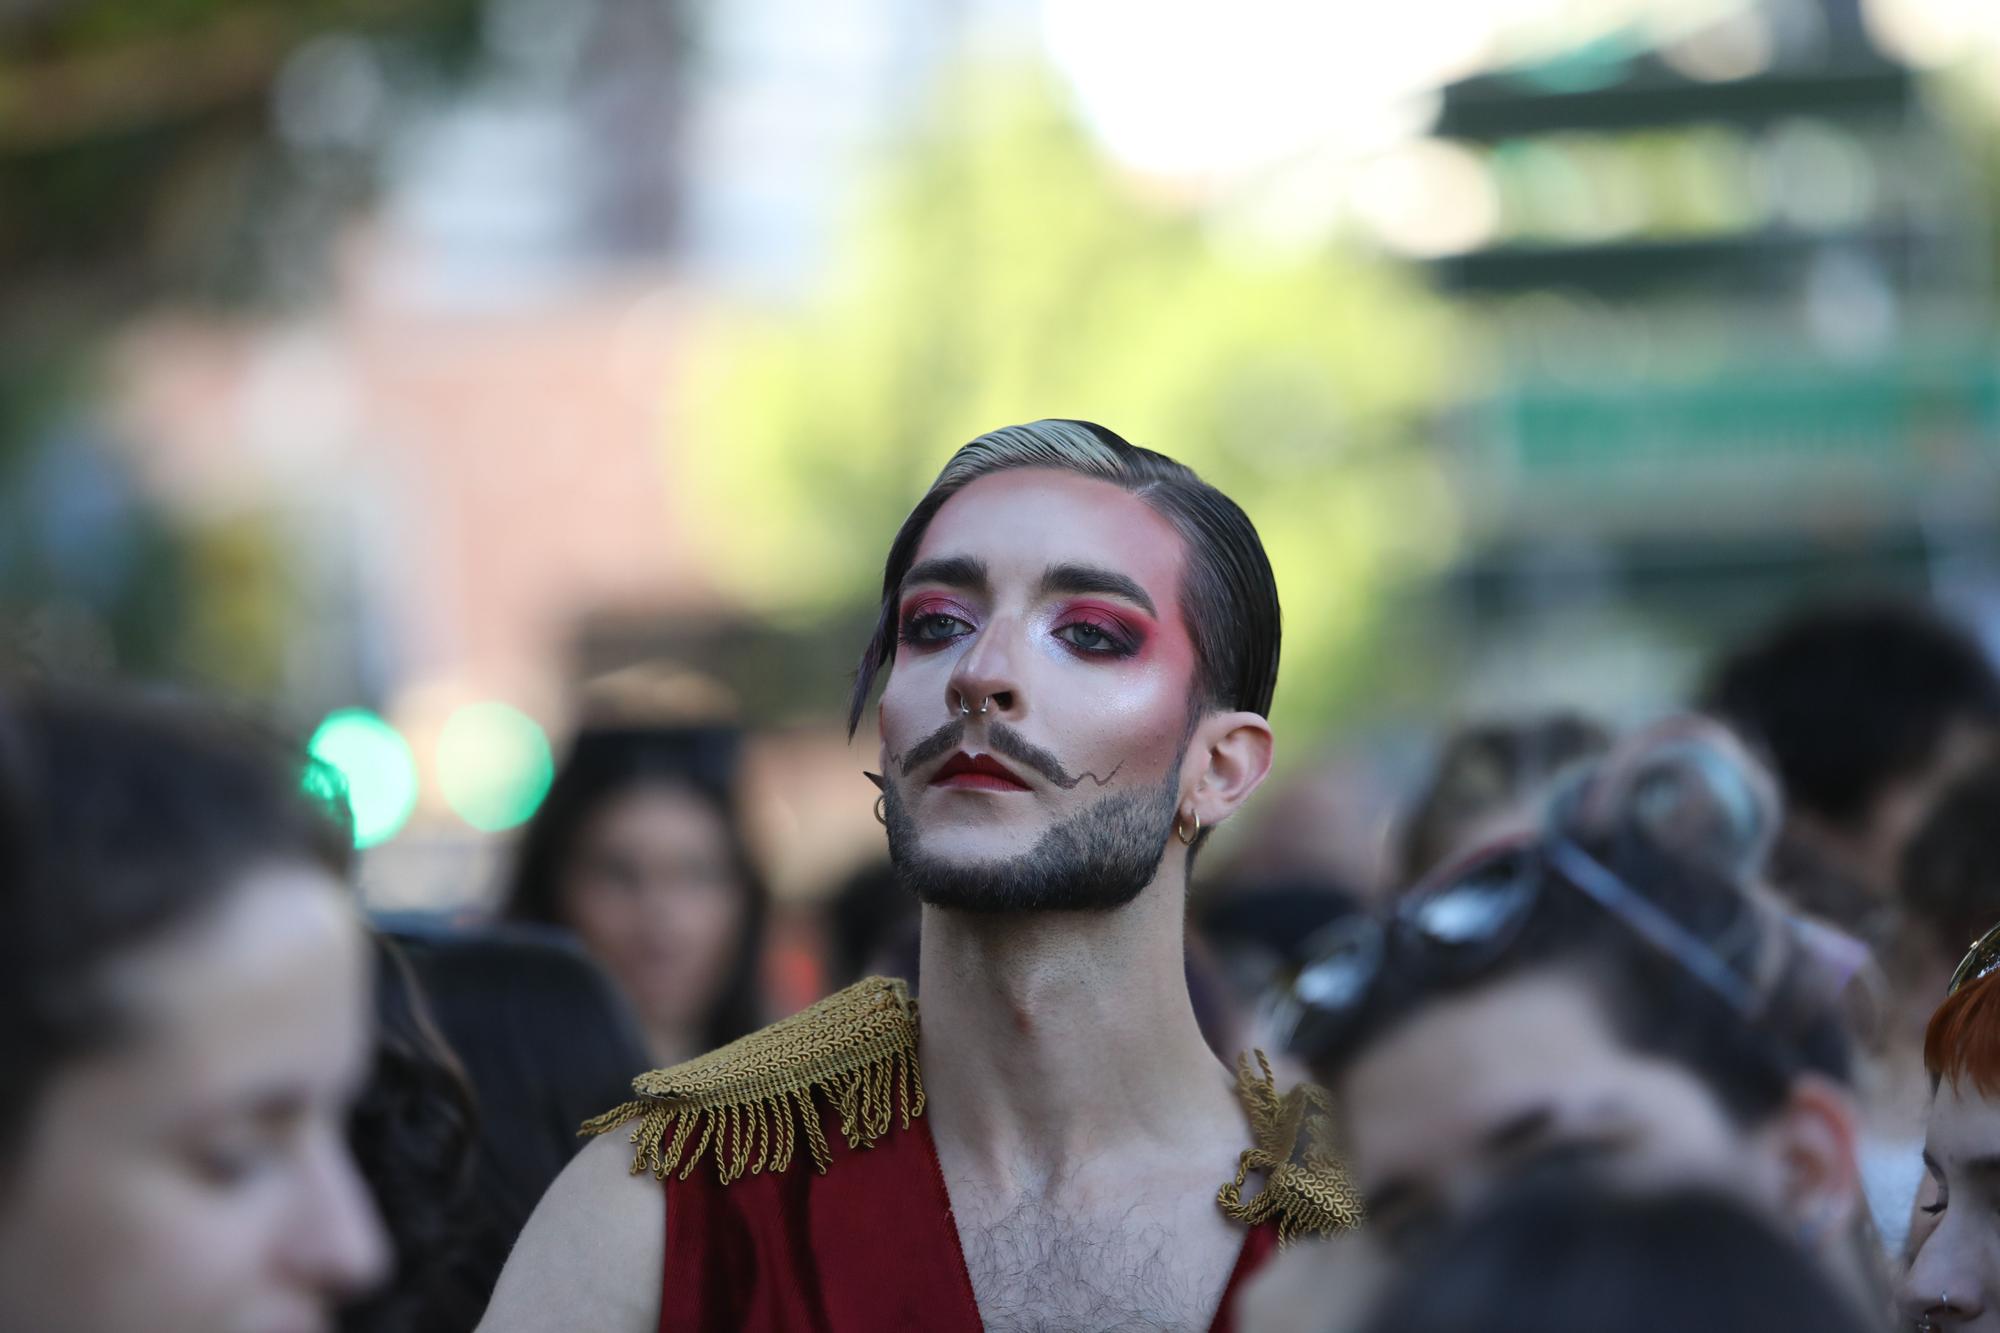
(1305, 1187)
(749, 1102)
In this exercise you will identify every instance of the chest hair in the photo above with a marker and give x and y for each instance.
(1040, 1267)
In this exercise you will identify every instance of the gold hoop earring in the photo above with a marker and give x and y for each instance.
(882, 809)
(1187, 838)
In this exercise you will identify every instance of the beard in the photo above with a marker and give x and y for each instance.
(1098, 859)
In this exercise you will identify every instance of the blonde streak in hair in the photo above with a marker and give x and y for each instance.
(1049, 443)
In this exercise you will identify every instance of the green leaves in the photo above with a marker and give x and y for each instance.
(1000, 270)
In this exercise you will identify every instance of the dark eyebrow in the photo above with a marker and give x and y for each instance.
(1984, 1166)
(953, 571)
(1071, 579)
(1518, 1133)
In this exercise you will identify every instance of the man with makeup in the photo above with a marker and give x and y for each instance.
(1080, 640)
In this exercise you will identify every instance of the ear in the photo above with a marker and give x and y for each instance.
(1228, 758)
(1814, 1137)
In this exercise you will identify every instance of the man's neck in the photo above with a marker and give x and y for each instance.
(1051, 1038)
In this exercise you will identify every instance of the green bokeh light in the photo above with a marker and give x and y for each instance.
(494, 765)
(375, 762)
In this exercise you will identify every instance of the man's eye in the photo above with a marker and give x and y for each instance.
(933, 627)
(1089, 638)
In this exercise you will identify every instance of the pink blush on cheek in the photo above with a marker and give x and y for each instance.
(1141, 712)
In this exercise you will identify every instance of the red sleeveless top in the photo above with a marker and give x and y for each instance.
(771, 1228)
(869, 1246)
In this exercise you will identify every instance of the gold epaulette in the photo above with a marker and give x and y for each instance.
(1305, 1187)
(749, 1100)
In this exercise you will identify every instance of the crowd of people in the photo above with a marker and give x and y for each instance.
(1687, 1025)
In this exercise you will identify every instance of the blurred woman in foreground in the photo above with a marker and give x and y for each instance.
(184, 1001)
(639, 848)
(1953, 1280)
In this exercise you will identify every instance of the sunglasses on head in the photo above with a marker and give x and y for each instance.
(1980, 961)
(1461, 923)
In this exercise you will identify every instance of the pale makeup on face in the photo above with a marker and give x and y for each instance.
(1478, 1086)
(194, 1176)
(1955, 1232)
(652, 892)
(1056, 595)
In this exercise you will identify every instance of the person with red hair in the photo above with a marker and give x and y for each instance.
(1953, 1279)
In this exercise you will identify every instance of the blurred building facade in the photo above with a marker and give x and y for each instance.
(383, 390)
(1741, 292)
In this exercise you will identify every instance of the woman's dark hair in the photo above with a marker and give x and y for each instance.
(122, 818)
(1683, 827)
(412, 1134)
(605, 763)
(545, 1041)
(1849, 697)
(1229, 597)
(1572, 1255)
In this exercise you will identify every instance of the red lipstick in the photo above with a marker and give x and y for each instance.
(976, 773)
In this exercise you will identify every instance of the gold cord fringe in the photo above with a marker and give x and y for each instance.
(1305, 1187)
(746, 1102)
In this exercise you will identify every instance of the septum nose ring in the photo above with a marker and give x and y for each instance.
(985, 702)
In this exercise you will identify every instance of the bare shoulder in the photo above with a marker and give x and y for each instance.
(591, 1255)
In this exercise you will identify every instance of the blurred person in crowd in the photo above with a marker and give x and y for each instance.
(1576, 1254)
(640, 849)
(1616, 988)
(544, 1040)
(1489, 776)
(1243, 937)
(1949, 886)
(1320, 822)
(1865, 710)
(184, 1025)
(871, 927)
(1274, 920)
(1080, 639)
(1948, 891)
(1953, 1277)
(412, 1133)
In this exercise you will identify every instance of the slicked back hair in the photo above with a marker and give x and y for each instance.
(1229, 598)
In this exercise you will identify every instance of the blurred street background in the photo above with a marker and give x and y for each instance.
(441, 375)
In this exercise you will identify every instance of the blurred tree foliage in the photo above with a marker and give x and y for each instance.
(140, 163)
(1006, 272)
(137, 153)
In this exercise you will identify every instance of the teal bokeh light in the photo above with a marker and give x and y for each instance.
(375, 763)
(494, 765)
